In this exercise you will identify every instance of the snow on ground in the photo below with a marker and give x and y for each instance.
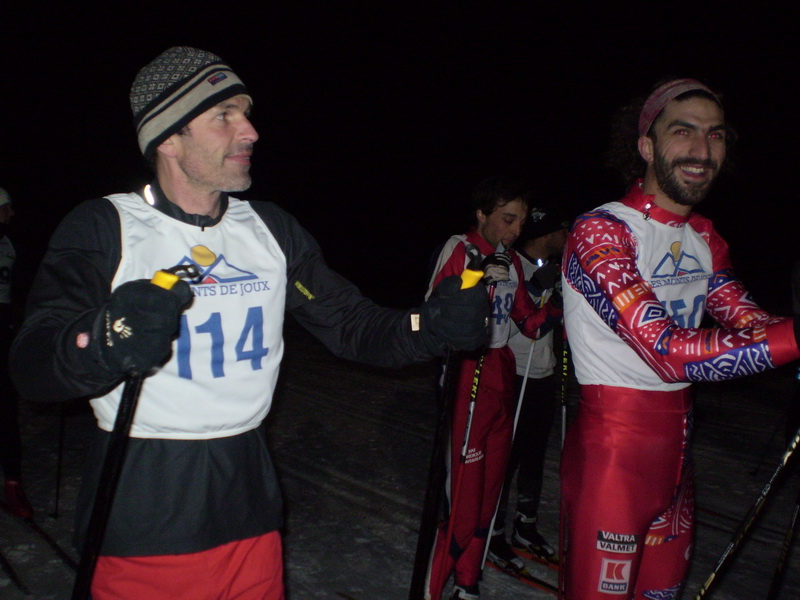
(352, 445)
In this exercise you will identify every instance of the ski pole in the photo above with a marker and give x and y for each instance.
(437, 470)
(513, 435)
(115, 457)
(456, 488)
(767, 447)
(777, 577)
(11, 573)
(455, 494)
(562, 518)
(59, 459)
(564, 391)
(750, 518)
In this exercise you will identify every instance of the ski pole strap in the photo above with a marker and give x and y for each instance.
(167, 278)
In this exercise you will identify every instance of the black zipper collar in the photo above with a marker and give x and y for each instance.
(169, 208)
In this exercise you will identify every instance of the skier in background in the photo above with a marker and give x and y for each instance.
(639, 275)
(10, 444)
(539, 248)
(500, 206)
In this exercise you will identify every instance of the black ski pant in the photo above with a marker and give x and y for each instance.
(529, 450)
(10, 445)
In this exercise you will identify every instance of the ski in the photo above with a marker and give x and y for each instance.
(46, 537)
(12, 574)
(550, 563)
(526, 577)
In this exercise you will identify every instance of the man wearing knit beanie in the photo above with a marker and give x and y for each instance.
(176, 87)
(198, 507)
(171, 92)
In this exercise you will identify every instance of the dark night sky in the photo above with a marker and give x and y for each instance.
(377, 119)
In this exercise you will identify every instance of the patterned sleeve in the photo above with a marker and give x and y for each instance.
(728, 302)
(601, 265)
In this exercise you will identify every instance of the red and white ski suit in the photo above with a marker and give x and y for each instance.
(492, 420)
(638, 281)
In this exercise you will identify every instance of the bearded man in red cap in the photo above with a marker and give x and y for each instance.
(639, 275)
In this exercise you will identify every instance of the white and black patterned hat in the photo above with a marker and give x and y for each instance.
(178, 85)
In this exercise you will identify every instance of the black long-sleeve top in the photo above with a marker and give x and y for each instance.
(179, 496)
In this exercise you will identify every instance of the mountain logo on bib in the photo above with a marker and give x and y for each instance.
(215, 268)
(677, 267)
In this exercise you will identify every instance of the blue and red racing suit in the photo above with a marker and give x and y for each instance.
(638, 281)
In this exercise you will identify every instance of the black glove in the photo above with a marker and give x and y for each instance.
(545, 277)
(556, 300)
(495, 267)
(135, 328)
(454, 317)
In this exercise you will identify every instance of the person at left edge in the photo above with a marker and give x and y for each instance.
(198, 509)
(793, 406)
(10, 443)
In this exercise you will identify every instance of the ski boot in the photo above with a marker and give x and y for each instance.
(528, 539)
(466, 592)
(16, 501)
(502, 556)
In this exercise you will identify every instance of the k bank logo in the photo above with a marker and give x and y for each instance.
(215, 268)
(615, 577)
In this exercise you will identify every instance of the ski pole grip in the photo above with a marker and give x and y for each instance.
(469, 278)
(165, 279)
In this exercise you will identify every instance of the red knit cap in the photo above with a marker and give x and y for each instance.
(663, 95)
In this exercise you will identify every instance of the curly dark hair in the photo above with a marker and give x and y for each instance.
(623, 152)
(499, 191)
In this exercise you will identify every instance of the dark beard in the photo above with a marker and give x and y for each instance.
(683, 194)
(3, 229)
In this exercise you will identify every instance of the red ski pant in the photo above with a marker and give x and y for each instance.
(628, 494)
(475, 483)
(250, 569)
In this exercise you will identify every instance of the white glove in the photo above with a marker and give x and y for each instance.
(495, 268)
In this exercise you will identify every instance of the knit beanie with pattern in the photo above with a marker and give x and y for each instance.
(177, 86)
